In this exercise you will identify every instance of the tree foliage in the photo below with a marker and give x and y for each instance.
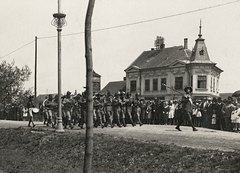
(12, 91)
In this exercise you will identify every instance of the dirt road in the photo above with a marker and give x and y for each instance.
(203, 138)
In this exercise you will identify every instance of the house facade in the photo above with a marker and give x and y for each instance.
(165, 72)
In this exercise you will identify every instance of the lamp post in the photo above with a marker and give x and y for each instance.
(59, 21)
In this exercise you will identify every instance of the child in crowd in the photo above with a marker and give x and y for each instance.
(214, 116)
(197, 115)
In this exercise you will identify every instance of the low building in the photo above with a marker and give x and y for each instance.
(114, 87)
(165, 72)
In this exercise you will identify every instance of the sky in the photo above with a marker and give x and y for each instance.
(115, 47)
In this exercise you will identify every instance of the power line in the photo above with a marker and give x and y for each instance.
(130, 24)
(165, 17)
(16, 49)
(150, 20)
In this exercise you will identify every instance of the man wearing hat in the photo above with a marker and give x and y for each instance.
(44, 109)
(83, 104)
(220, 122)
(116, 104)
(129, 107)
(108, 102)
(49, 107)
(227, 109)
(55, 110)
(208, 109)
(187, 108)
(137, 109)
(97, 111)
(123, 108)
(68, 104)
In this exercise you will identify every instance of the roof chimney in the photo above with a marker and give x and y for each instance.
(162, 46)
(185, 43)
(159, 43)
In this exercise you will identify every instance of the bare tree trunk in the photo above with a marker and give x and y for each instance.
(89, 90)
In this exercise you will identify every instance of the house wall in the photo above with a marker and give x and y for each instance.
(212, 77)
(170, 74)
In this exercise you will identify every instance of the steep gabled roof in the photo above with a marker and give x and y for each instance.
(114, 87)
(199, 52)
(96, 74)
(161, 58)
(142, 58)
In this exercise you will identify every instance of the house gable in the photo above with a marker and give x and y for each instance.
(177, 63)
(132, 68)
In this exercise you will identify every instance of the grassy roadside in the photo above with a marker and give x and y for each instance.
(45, 151)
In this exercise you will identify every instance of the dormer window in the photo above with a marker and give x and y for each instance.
(201, 52)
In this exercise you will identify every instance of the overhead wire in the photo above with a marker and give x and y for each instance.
(17, 49)
(129, 24)
(150, 20)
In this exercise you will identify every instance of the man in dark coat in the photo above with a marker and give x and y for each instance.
(187, 108)
(220, 122)
(154, 112)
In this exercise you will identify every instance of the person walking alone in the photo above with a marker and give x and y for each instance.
(186, 108)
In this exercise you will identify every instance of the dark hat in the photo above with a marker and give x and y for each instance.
(31, 97)
(68, 93)
(230, 98)
(219, 99)
(84, 93)
(214, 99)
(188, 88)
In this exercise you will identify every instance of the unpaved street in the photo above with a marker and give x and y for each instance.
(203, 138)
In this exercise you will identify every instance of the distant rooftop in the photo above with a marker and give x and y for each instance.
(114, 87)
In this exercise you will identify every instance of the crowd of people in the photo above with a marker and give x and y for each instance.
(121, 109)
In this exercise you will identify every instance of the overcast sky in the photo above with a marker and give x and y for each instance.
(115, 49)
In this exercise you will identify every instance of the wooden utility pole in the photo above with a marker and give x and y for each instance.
(35, 78)
(89, 90)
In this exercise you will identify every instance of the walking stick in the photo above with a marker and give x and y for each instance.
(172, 89)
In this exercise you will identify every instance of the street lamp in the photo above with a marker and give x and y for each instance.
(59, 21)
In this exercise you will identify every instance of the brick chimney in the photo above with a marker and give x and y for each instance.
(162, 46)
(185, 43)
(159, 43)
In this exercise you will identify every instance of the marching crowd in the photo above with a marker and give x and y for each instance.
(120, 109)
